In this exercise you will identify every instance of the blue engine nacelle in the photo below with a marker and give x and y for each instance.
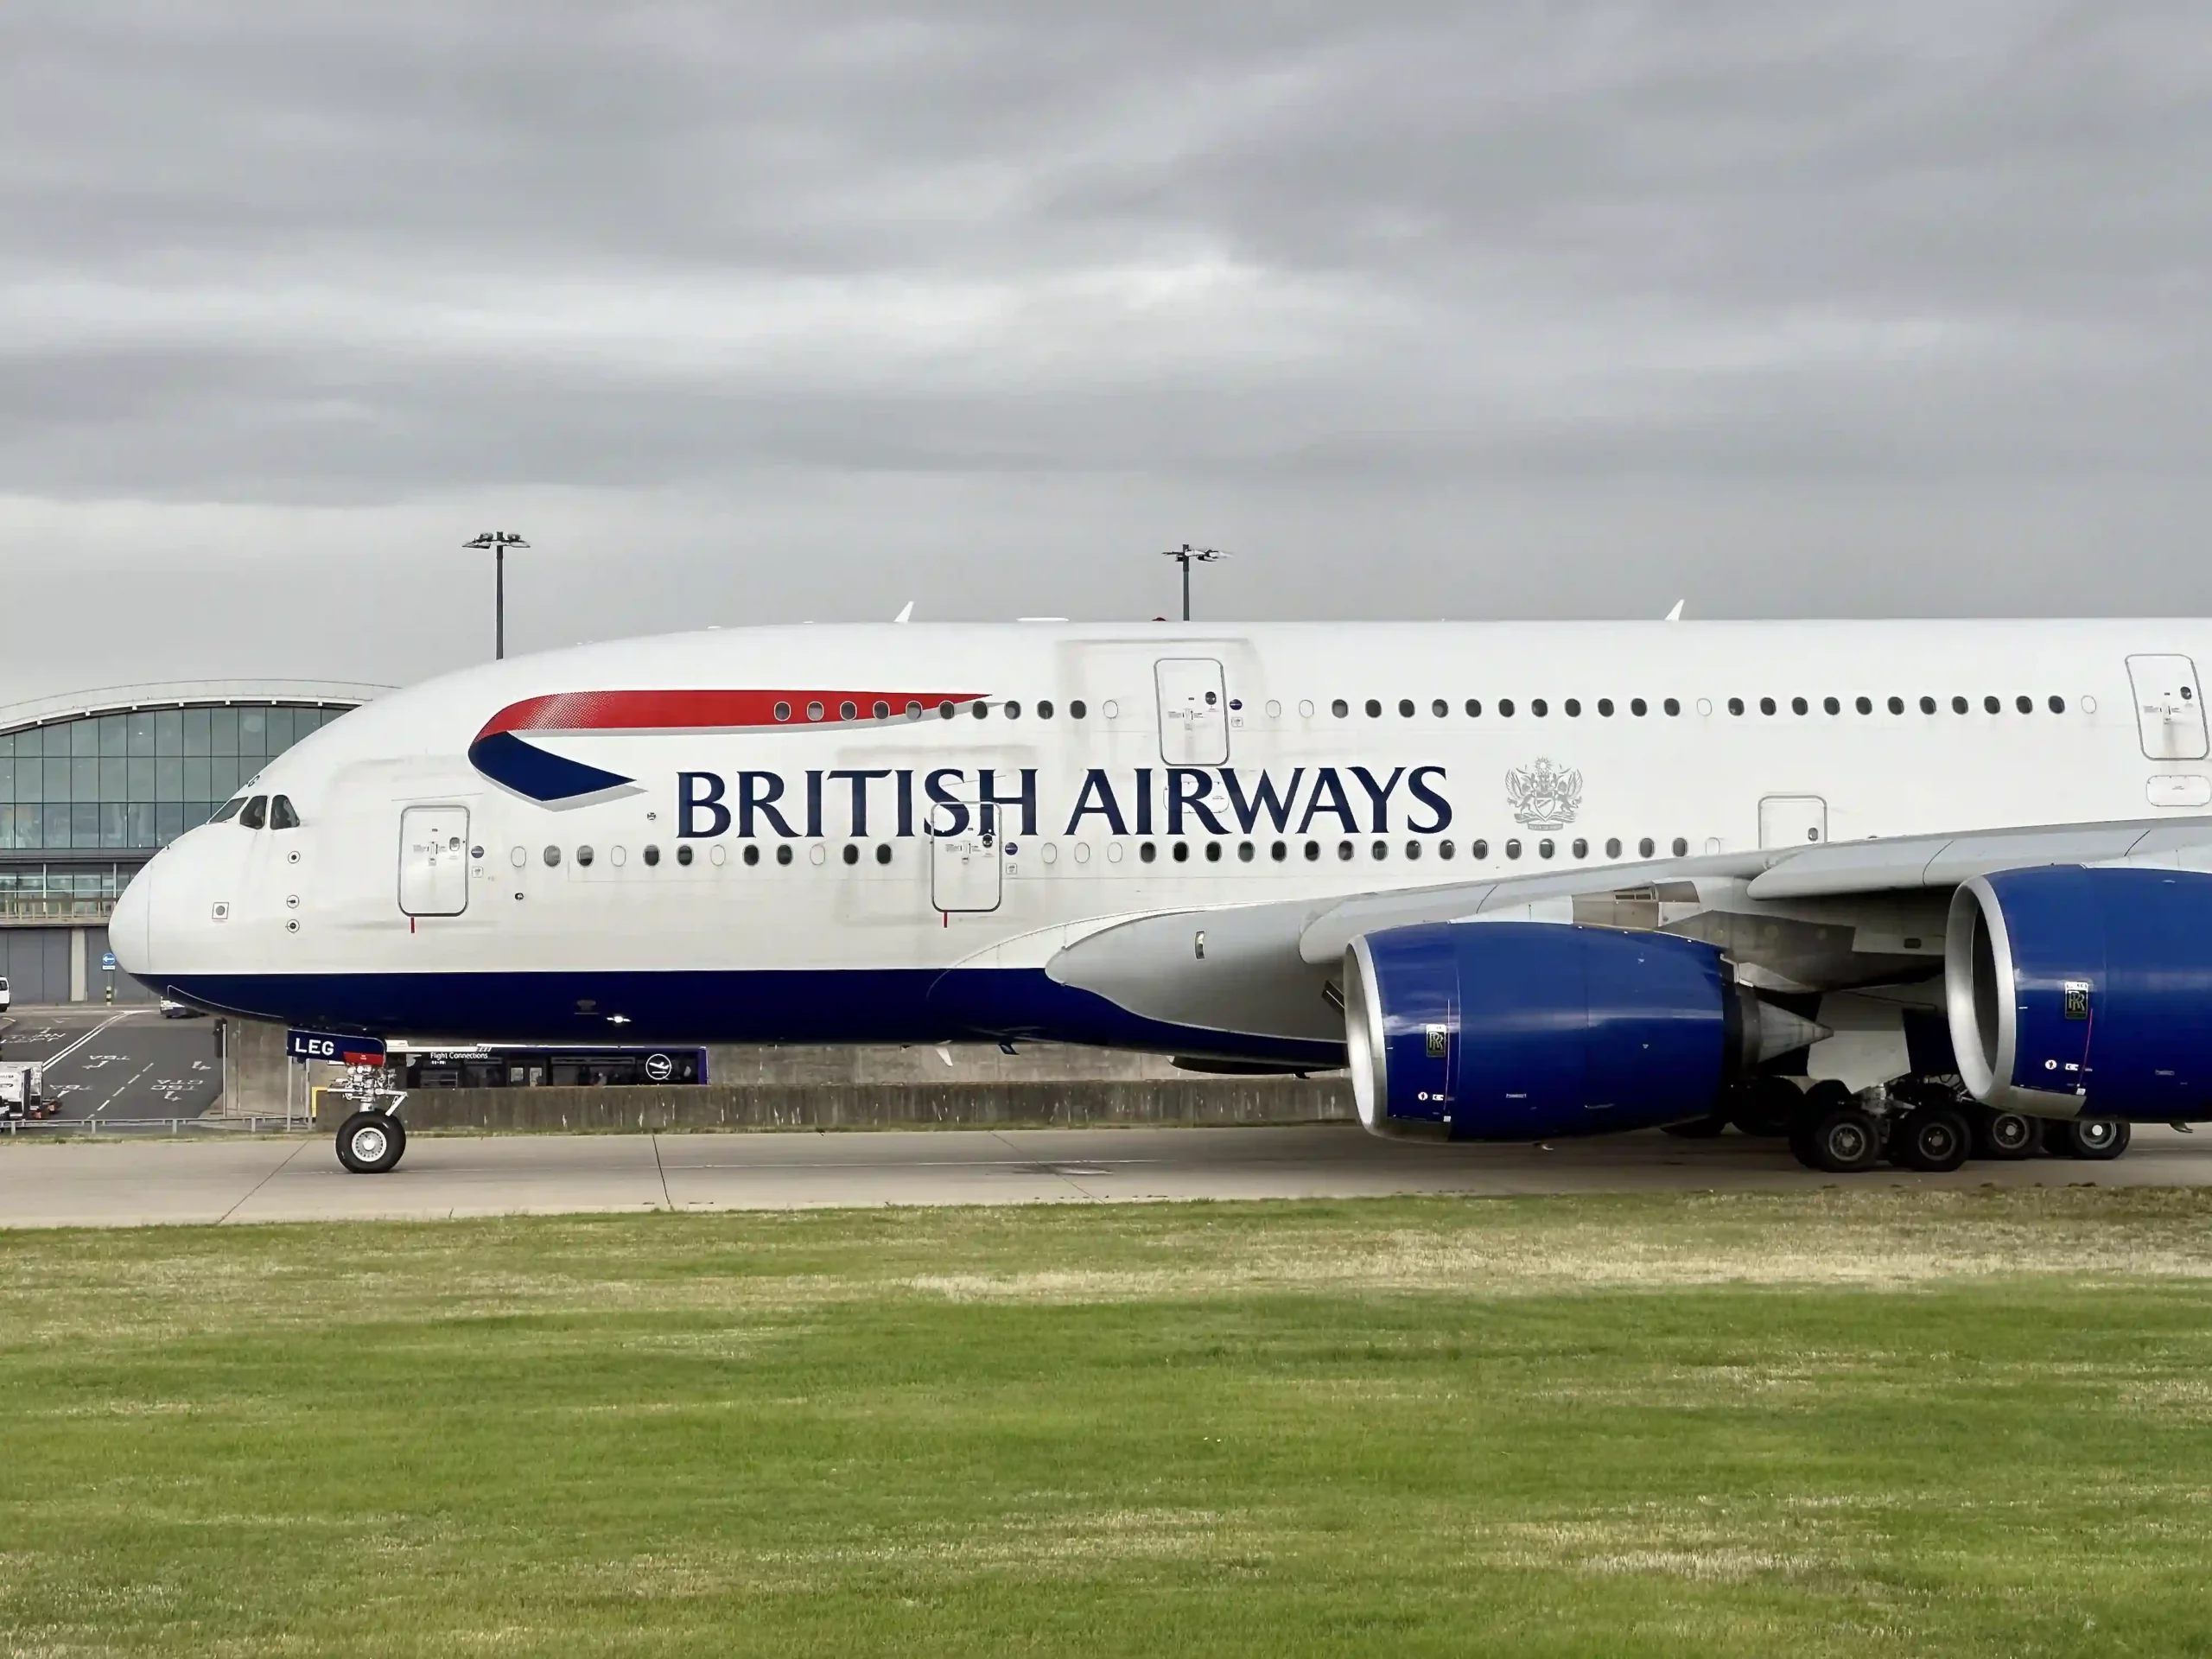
(2075, 992)
(1522, 1031)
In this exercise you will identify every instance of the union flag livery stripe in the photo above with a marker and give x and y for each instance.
(504, 757)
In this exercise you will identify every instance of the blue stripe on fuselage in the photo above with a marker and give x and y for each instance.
(724, 1006)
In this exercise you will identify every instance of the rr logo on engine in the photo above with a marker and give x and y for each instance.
(2077, 999)
(1438, 1036)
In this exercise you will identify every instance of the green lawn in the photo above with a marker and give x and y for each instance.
(1853, 1422)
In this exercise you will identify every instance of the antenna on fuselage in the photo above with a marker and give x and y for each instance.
(905, 612)
(1675, 615)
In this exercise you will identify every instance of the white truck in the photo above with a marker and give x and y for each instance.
(22, 1090)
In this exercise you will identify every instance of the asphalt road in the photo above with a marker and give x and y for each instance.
(130, 1182)
(117, 1067)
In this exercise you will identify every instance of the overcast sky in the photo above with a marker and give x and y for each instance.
(780, 312)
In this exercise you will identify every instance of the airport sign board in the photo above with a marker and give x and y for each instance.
(336, 1047)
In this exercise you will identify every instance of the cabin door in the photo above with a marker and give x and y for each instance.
(2169, 708)
(433, 860)
(1193, 711)
(964, 870)
(1793, 820)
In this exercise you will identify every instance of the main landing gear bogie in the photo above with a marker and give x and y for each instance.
(1925, 1126)
(371, 1143)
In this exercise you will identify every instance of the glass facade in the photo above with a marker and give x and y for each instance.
(140, 779)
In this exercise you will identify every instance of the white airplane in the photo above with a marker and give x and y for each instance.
(1912, 886)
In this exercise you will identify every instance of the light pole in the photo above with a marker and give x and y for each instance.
(1187, 556)
(498, 541)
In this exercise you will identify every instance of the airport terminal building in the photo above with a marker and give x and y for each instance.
(93, 783)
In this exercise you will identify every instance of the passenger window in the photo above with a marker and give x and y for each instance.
(852, 854)
(1672, 705)
(1375, 709)
(1513, 849)
(1798, 706)
(1505, 708)
(1637, 707)
(1147, 851)
(1682, 847)
(1445, 849)
(1614, 847)
(783, 711)
(980, 709)
(814, 711)
(1958, 705)
(1344, 851)
(2058, 705)
(1382, 851)
(1928, 705)
(552, 857)
(1045, 710)
(1539, 707)
(2025, 705)
(1278, 852)
(1180, 852)
(1014, 711)
(883, 852)
(1547, 847)
(683, 854)
(1340, 708)
(752, 853)
(1313, 851)
(882, 709)
(228, 810)
(1990, 705)
(1832, 705)
(1244, 852)
(1581, 847)
(1474, 709)
(1439, 709)
(847, 711)
(653, 854)
(1866, 705)
(1644, 848)
(1412, 849)
(1766, 705)
(784, 853)
(1735, 705)
(583, 856)
(1076, 710)
(1605, 707)
(1479, 849)
(1405, 708)
(256, 813)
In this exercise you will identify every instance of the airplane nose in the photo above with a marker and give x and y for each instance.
(128, 930)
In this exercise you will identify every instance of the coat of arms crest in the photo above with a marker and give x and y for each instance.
(1545, 795)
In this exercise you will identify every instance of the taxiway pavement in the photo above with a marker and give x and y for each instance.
(130, 1182)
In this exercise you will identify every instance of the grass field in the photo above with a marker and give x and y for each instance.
(1870, 1422)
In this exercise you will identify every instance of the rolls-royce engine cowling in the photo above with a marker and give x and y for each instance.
(1522, 1030)
(2077, 992)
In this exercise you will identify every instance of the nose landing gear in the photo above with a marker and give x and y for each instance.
(371, 1142)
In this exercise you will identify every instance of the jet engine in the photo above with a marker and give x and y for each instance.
(2075, 992)
(1522, 1030)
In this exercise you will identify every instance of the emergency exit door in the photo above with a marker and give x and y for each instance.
(2168, 706)
(1793, 820)
(433, 860)
(1193, 711)
(964, 870)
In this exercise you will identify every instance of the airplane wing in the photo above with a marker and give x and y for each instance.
(1808, 920)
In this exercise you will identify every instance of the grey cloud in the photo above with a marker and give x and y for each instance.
(1622, 296)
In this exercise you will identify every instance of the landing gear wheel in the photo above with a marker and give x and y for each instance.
(2007, 1135)
(1933, 1139)
(369, 1143)
(1842, 1140)
(2097, 1139)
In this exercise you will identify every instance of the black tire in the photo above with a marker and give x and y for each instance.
(370, 1143)
(1840, 1141)
(2005, 1136)
(2099, 1140)
(1932, 1138)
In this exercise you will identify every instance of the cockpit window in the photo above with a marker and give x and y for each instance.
(281, 814)
(228, 810)
(256, 813)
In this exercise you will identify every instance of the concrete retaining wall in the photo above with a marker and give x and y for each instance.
(883, 1105)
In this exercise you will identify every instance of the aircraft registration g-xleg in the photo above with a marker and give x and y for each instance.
(1882, 884)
